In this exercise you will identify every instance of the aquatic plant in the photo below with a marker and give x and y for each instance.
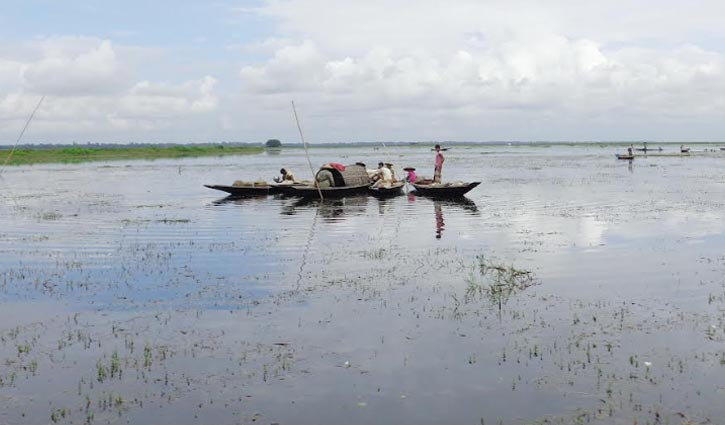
(497, 282)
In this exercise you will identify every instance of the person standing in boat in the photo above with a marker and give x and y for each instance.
(630, 150)
(438, 164)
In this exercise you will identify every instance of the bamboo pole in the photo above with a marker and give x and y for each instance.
(307, 154)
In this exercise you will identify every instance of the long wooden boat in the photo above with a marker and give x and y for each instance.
(246, 190)
(393, 189)
(624, 156)
(649, 149)
(330, 192)
(447, 190)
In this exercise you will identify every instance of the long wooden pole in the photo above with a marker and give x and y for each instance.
(27, 123)
(307, 154)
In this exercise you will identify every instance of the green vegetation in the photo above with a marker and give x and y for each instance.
(273, 143)
(83, 154)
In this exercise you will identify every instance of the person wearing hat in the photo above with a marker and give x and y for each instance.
(389, 166)
(438, 164)
(411, 178)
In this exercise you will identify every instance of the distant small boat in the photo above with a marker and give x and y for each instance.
(624, 156)
(448, 190)
(393, 189)
(722, 148)
(685, 150)
(648, 149)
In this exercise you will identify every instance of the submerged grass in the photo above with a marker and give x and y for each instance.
(83, 154)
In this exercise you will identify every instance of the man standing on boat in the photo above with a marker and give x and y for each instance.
(438, 165)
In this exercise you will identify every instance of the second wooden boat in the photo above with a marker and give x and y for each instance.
(447, 190)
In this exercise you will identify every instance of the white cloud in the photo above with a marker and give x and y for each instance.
(65, 72)
(554, 66)
(89, 89)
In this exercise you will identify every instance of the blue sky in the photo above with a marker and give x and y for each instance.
(178, 71)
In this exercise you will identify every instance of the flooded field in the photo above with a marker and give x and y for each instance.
(569, 287)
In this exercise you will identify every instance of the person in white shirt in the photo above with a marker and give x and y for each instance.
(385, 176)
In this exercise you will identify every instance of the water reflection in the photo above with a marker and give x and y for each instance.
(440, 224)
(463, 203)
(331, 209)
(240, 200)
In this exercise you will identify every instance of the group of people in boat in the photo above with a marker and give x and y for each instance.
(385, 173)
(382, 176)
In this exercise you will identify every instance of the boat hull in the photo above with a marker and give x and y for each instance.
(622, 156)
(244, 190)
(332, 192)
(440, 191)
(394, 189)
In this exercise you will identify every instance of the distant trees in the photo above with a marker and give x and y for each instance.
(273, 143)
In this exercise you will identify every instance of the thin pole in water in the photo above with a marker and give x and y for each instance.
(27, 123)
(307, 154)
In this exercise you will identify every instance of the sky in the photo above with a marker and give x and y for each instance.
(397, 70)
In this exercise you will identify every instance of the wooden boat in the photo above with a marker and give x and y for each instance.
(245, 190)
(624, 156)
(722, 148)
(252, 189)
(335, 181)
(446, 190)
(649, 149)
(393, 189)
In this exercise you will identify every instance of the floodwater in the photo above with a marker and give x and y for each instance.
(129, 293)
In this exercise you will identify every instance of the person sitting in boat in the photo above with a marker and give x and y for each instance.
(325, 179)
(411, 177)
(286, 178)
(384, 177)
(389, 166)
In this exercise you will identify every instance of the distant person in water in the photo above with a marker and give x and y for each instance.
(438, 165)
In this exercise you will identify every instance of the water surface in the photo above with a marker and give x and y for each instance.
(129, 292)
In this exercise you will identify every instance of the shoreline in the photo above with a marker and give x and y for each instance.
(76, 154)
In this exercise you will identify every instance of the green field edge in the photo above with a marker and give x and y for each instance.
(82, 154)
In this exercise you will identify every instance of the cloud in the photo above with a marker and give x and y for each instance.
(149, 104)
(65, 72)
(555, 67)
(90, 89)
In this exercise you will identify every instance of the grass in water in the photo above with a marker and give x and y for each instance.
(497, 282)
(83, 154)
